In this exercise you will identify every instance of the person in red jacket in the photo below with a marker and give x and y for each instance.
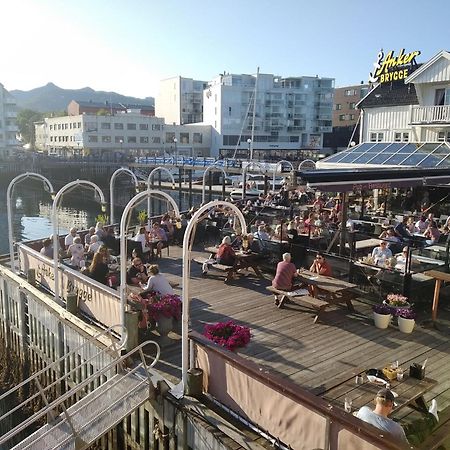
(225, 254)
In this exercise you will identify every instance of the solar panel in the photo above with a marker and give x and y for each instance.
(380, 158)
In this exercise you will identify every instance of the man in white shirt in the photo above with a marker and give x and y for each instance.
(68, 241)
(381, 254)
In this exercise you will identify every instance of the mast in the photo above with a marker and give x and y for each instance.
(253, 118)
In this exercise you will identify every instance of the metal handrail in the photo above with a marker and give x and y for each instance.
(71, 392)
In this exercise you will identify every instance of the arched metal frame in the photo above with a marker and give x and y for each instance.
(123, 239)
(59, 194)
(211, 167)
(244, 174)
(187, 248)
(309, 161)
(111, 188)
(279, 163)
(9, 193)
(149, 179)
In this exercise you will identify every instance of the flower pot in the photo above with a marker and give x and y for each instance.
(381, 320)
(406, 325)
(164, 325)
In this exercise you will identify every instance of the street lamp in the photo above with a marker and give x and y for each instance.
(9, 193)
(250, 149)
(150, 175)
(111, 188)
(138, 198)
(279, 163)
(175, 140)
(212, 166)
(67, 188)
(188, 241)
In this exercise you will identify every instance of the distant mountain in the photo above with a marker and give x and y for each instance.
(53, 98)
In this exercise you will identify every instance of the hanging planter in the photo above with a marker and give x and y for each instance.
(382, 316)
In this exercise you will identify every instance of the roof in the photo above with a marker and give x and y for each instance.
(390, 94)
(427, 65)
(391, 154)
(106, 105)
(344, 180)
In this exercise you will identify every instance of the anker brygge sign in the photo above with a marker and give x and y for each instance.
(392, 68)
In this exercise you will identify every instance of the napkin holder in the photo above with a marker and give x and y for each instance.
(417, 371)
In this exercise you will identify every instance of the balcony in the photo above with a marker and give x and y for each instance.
(430, 115)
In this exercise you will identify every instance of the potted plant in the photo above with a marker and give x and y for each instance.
(163, 311)
(102, 218)
(228, 334)
(406, 318)
(396, 301)
(142, 217)
(382, 315)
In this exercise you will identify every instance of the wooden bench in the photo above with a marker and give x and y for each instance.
(316, 303)
(222, 267)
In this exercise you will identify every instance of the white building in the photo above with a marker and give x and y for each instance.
(290, 114)
(129, 133)
(404, 122)
(180, 100)
(8, 123)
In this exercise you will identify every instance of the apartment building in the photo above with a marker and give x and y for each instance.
(287, 115)
(8, 123)
(126, 133)
(180, 100)
(345, 113)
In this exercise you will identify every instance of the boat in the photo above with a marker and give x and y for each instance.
(236, 194)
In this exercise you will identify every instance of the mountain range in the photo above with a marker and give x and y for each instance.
(53, 98)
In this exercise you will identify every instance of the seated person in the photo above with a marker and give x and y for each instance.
(142, 238)
(321, 266)
(381, 254)
(401, 260)
(225, 254)
(98, 270)
(47, 249)
(158, 238)
(417, 431)
(137, 273)
(88, 236)
(76, 252)
(99, 231)
(167, 225)
(432, 233)
(285, 274)
(262, 235)
(94, 245)
(156, 282)
(236, 241)
(421, 225)
(68, 240)
(252, 244)
(401, 229)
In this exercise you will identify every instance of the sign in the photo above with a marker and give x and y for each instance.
(392, 68)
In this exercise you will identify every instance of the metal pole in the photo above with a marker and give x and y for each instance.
(212, 166)
(343, 223)
(149, 179)
(190, 188)
(210, 187)
(180, 178)
(111, 188)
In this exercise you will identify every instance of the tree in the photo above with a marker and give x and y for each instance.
(25, 122)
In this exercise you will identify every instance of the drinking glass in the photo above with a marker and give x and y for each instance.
(394, 365)
(399, 374)
(348, 404)
(359, 379)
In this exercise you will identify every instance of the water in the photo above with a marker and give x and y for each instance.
(32, 210)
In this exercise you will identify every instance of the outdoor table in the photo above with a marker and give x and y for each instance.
(244, 260)
(335, 290)
(410, 392)
(439, 277)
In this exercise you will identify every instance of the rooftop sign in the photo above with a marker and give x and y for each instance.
(392, 68)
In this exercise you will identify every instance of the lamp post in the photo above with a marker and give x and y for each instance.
(244, 174)
(67, 188)
(9, 193)
(175, 140)
(279, 163)
(123, 242)
(187, 248)
(111, 188)
(212, 166)
(250, 150)
(150, 175)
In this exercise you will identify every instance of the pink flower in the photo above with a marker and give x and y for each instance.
(228, 334)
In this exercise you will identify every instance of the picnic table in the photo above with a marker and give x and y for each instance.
(244, 260)
(410, 392)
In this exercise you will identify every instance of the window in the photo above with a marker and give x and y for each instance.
(405, 137)
(229, 110)
(79, 124)
(143, 139)
(119, 139)
(338, 107)
(349, 92)
(351, 105)
(397, 137)
(441, 136)
(131, 126)
(106, 139)
(51, 127)
(184, 138)
(376, 137)
(170, 137)
(342, 117)
(92, 139)
(156, 140)
(352, 117)
(197, 138)
(118, 126)
(143, 126)
(156, 127)
(132, 139)
(105, 126)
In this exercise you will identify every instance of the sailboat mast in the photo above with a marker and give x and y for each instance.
(253, 117)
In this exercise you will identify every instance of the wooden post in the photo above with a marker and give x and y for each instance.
(343, 229)
(131, 324)
(72, 303)
(437, 289)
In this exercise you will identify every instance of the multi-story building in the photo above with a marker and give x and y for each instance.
(180, 100)
(77, 107)
(8, 123)
(405, 118)
(286, 116)
(126, 133)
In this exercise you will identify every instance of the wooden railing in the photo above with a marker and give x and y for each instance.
(430, 114)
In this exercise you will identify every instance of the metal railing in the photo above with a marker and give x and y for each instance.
(430, 114)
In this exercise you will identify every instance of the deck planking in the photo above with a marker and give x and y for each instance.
(316, 356)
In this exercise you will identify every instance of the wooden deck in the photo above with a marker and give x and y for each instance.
(316, 356)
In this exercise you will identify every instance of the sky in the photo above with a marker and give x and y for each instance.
(128, 46)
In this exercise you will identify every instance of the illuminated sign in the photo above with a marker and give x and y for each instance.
(392, 68)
